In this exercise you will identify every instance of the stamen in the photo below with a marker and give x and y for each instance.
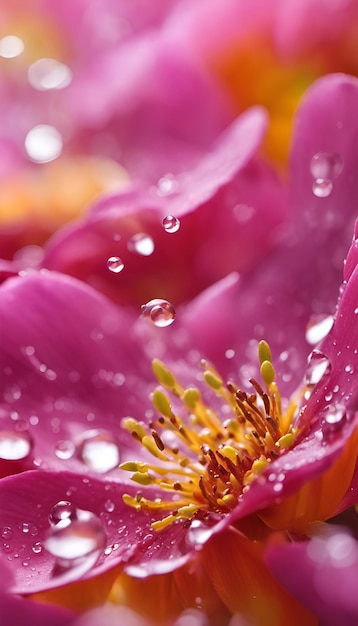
(213, 461)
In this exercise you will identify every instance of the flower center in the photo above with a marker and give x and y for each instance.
(205, 462)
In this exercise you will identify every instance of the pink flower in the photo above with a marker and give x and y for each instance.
(207, 475)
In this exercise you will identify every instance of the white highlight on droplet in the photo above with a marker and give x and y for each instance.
(47, 74)
(43, 143)
(11, 46)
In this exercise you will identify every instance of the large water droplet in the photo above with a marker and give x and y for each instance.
(318, 328)
(166, 185)
(77, 540)
(100, 451)
(158, 311)
(47, 74)
(322, 187)
(171, 224)
(63, 513)
(14, 446)
(326, 165)
(43, 143)
(318, 366)
(115, 264)
(141, 243)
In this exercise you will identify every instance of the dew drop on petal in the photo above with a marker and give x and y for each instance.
(99, 451)
(142, 244)
(317, 329)
(6, 532)
(171, 224)
(77, 540)
(63, 512)
(198, 533)
(115, 264)
(37, 547)
(318, 366)
(14, 446)
(333, 418)
(167, 185)
(322, 187)
(160, 312)
(326, 165)
(43, 143)
(65, 449)
(109, 506)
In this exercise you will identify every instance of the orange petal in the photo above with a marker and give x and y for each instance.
(246, 586)
(319, 498)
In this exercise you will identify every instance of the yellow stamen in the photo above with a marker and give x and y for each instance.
(209, 462)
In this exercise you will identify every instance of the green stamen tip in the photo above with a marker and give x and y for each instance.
(162, 404)
(212, 380)
(142, 479)
(267, 372)
(163, 375)
(264, 351)
(191, 397)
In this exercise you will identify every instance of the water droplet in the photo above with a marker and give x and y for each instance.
(325, 165)
(198, 533)
(318, 367)
(243, 213)
(47, 74)
(77, 540)
(26, 562)
(333, 418)
(25, 527)
(11, 46)
(322, 187)
(99, 450)
(171, 224)
(115, 264)
(160, 312)
(317, 329)
(37, 547)
(63, 512)
(6, 532)
(141, 243)
(65, 449)
(109, 506)
(166, 185)
(14, 446)
(43, 143)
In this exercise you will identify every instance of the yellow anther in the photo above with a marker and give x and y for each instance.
(287, 440)
(187, 511)
(130, 501)
(212, 380)
(191, 397)
(162, 404)
(163, 523)
(151, 446)
(227, 501)
(267, 372)
(230, 452)
(259, 465)
(264, 351)
(163, 375)
(131, 466)
(130, 424)
(142, 478)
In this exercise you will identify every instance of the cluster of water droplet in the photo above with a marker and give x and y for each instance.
(325, 167)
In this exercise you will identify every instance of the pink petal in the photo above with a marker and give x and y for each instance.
(321, 573)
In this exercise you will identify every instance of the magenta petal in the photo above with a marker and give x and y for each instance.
(322, 574)
(25, 505)
(70, 367)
